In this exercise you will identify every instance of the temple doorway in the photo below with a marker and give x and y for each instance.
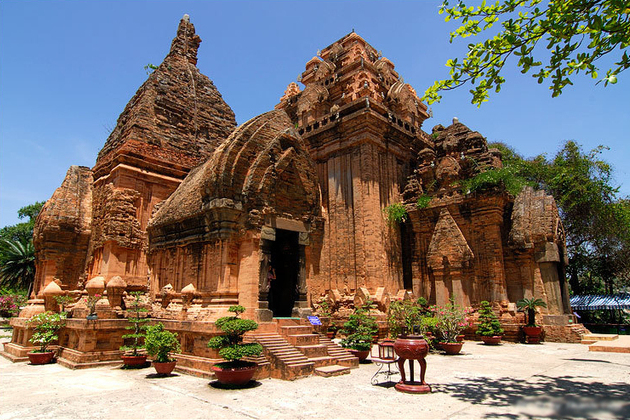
(285, 260)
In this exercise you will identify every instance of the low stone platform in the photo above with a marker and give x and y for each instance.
(621, 344)
(334, 370)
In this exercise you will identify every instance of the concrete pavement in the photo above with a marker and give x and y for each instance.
(551, 380)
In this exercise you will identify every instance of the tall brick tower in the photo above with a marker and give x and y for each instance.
(362, 125)
(95, 224)
(174, 122)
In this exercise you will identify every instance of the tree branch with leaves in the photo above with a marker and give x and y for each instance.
(577, 34)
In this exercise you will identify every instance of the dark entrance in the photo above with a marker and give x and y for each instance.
(285, 260)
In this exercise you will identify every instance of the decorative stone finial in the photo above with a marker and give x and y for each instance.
(186, 43)
(455, 120)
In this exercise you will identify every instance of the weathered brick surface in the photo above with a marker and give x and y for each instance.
(482, 246)
(182, 203)
(62, 231)
(174, 121)
(261, 176)
(177, 109)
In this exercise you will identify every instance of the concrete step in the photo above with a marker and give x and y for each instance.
(303, 339)
(600, 337)
(322, 361)
(286, 321)
(295, 329)
(316, 350)
(334, 370)
(621, 345)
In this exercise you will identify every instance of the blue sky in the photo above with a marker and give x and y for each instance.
(68, 68)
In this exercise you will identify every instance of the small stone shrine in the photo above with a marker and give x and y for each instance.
(195, 211)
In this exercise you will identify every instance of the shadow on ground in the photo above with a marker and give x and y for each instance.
(250, 384)
(563, 397)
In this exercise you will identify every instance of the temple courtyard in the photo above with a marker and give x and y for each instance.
(550, 380)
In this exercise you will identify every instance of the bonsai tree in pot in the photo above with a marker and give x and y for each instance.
(133, 356)
(46, 326)
(489, 326)
(159, 344)
(359, 331)
(235, 371)
(531, 330)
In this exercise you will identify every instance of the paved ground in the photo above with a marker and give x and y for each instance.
(514, 381)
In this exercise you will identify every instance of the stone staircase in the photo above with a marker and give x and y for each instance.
(294, 351)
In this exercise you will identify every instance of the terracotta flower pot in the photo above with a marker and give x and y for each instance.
(361, 354)
(235, 376)
(533, 334)
(164, 368)
(491, 340)
(330, 334)
(460, 338)
(134, 361)
(37, 358)
(452, 348)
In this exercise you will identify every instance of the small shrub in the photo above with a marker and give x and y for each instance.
(10, 305)
(489, 325)
(46, 325)
(230, 344)
(360, 328)
(137, 326)
(160, 342)
(423, 201)
(63, 301)
(530, 305)
(451, 320)
(396, 213)
(493, 178)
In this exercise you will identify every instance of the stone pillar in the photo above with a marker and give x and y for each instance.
(491, 220)
(301, 308)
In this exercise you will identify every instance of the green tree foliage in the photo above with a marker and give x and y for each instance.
(530, 306)
(160, 343)
(17, 264)
(45, 326)
(396, 213)
(23, 231)
(138, 326)
(576, 33)
(360, 328)
(230, 344)
(489, 325)
(595, 219)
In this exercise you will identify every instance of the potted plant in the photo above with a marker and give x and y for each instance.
(235, 371)
(159, 344)
(332, 330)
(133, 357)
(408, 321)
(324, 312)
(489, 326)
(64, 301)
(359, 331)
(90, 302)
(451, 320)
(531, 330)
(46, 325)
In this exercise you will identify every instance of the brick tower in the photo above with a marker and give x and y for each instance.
(362, 125)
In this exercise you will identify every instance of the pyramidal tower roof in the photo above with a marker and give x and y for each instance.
(176, 118)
